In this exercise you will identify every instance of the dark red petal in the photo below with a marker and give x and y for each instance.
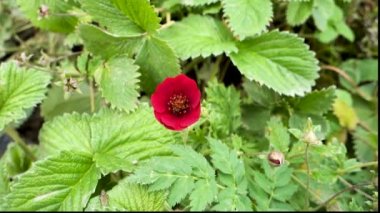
(158, 102)
(169, 120)
(189, 87)
(191, 117)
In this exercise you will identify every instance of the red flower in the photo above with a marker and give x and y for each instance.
(176, 102)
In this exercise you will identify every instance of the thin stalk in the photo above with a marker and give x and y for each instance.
(11, 132)
(356, 189)
(92, 95)
(308, 176)
(305, 187)
(347, 77)
(352, 187)
(372, 163)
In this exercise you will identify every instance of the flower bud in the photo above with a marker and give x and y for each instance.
(276, 158)
(43, 11)
(311, 138)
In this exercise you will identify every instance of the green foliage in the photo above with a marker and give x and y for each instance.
(157, 61)
(243, 13)
(141, 13)
(273, 188)
(278, 135)
(105, 44)
(61, 182)
(56, 103)
(128, 197)
(20, 90)
(189, 173)
(298, 12)
(94, 143)
(116, 140)
(279, 60)
(118, 82)
(58, 19)
(211, 37)
(317, 102)
(109, 16)
(223, 106)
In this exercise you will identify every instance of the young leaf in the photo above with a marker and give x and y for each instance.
(298, 12)
(62, 182)
(118, 81)
(125, 137)
(198, 35)
(280, 60)
(126, 196)
(20, 89)
(278, 135)
(223, 105)
(342, 108)
(106, 45)
(157, 61)
(140, 12)
(57, 19)
(247, 17)
(109, 16)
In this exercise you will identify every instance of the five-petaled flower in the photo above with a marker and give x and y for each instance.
(176, 102)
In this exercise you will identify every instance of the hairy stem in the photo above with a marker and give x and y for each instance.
(11, 132)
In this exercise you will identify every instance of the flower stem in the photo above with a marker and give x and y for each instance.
(11, 132)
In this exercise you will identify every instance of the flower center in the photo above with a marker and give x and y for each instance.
(178, 104)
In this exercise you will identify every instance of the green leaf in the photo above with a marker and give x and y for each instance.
(109, 16)
(317, 102)
(157, 61)
(56, 104)
(198, 35)
(204, 193)
(125, 137)
(118, 81)
(280, 60)
(187, 167)
(298, 12)
(247, 17)
(15, 161)
(360, 70)
(278, 135)
(140, 12)
(62, 182)
(105, 44)
(273, 188)
(197, 2)
(260, 94)
(322, 12)
(58, 19)
(20, 89)
(365, 145)
(234, 197)
(223, 106)
(126, 196)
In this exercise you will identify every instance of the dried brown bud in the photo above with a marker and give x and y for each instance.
(43, 11)
(276, 158)
(71, 84)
